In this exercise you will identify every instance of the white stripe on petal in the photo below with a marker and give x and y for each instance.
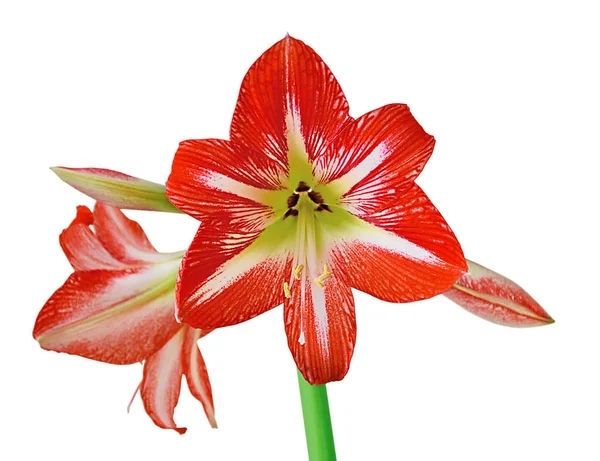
(225, 184)
(233, 270)
(360, 171)
(319, 307)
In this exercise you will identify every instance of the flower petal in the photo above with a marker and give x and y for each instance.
(403, 253)
(196, 375)
(117, 189)
(161, 384)
(125, 239)
(289, 89)
(497, 299)
(82, 247)
(115, 316)
(375, 159)
(320, 324)
(227, 277)
(208, 180)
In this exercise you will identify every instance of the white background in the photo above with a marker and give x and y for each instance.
(511, 94)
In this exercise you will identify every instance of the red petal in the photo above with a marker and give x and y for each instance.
(321, 327)
(123, 238)
(375, 159)
(221, 282)
(118, 316)
(495, 298)
(410, 254)
(289, 78)
(210, 179)
(196, 375)
(162, 383)
(82, 247)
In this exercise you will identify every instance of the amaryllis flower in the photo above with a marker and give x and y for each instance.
(304, 203)
(118, 307)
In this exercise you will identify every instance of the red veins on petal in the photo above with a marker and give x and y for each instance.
(289, 78)
(218, 286)
(409, 254)
(376, 158)
(211, 179)
(497, 299)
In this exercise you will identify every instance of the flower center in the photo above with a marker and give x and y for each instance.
(302, 205)
(314, 196)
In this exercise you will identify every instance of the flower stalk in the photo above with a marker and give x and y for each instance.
(317, 421)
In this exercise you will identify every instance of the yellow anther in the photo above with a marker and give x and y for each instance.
(297, 271)
(286, 290)
(324, 276)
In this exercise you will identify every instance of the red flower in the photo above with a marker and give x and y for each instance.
(118, 307)
(303, 203)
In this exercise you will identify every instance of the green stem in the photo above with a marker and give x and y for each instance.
(317, 422)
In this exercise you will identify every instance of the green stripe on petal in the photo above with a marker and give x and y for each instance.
(117, 189)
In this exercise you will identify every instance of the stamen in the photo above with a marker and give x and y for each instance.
(297, 271)
(316, 197)
(324, 276)
(292, 200)
(286, 290)
(290, 212)
(323, 207)
(302, 187)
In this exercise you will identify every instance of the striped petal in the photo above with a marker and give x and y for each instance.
(374, 160)
(196, 375)
(211, 180)
(117, 189)
(124, 238)
(289, 90)
(82, 247)
(161, 384)
(228, 277)
(497, 299)
(114, 316)
(320, 324)
(403, 253)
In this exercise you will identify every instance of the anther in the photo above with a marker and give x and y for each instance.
(297, 271)
(324, 276)
(302, 187)
(323, 207)
(292, 200)
(286, 290)
(315, 197)
(290, 212)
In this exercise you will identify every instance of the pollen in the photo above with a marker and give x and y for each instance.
(286, 290)
(297, 271)
(320, 280)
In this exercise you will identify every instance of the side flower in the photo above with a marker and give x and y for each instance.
(497, 299)
(118, 307)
